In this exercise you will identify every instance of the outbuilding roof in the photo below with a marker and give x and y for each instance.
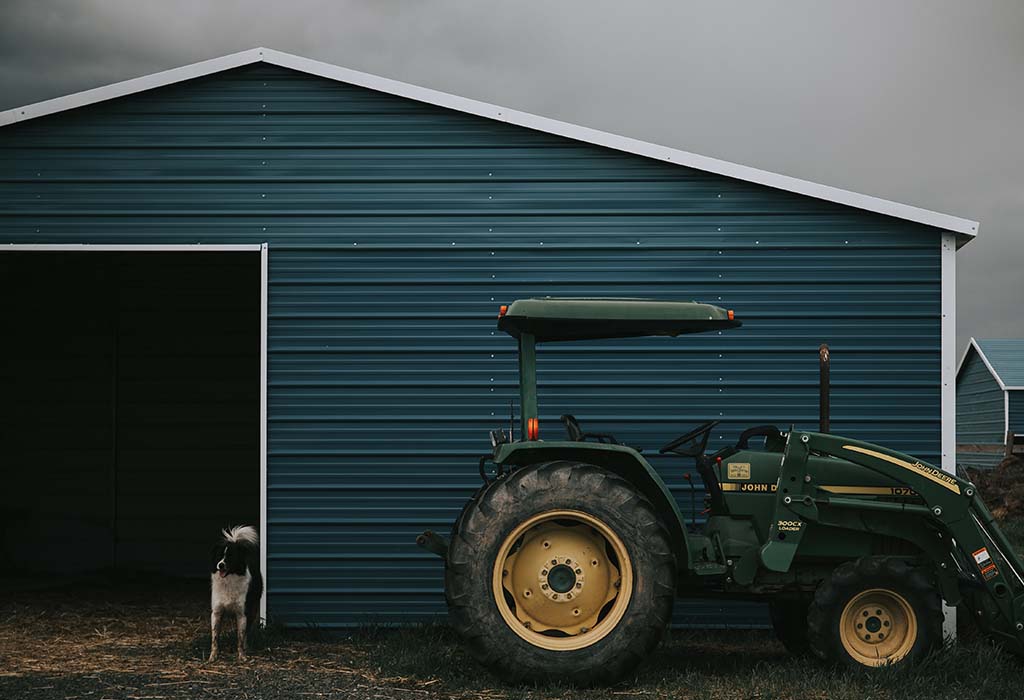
(966, 228)
(1004, 358)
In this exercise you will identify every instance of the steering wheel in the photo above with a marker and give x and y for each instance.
(703, 428)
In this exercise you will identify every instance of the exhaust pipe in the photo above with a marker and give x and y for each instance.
(823, 389)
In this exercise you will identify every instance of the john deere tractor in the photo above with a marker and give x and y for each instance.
(566, 563)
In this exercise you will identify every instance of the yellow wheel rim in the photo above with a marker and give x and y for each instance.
(878, 627)
(562, 580)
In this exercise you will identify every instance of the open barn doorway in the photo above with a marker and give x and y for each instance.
(131, 387)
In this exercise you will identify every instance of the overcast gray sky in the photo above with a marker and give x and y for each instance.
(919, 101)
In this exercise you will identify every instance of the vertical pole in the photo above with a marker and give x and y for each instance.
(948, 381)
(824, 389)
(527, 381)
(264, 535)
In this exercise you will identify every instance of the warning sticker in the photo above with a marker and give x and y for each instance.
(738, 470)
(985, 564)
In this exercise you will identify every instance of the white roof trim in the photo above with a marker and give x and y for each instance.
(991, 369)
(581, 133)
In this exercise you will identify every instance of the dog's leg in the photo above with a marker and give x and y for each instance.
(214, 629)
(241, 621)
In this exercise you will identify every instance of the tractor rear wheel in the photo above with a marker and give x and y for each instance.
(874, 612)
(560, 572)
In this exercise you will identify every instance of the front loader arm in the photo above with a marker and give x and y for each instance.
(977, 560)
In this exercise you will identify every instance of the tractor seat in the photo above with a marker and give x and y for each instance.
(576, 433)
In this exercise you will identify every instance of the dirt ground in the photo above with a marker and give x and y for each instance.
(146, 640)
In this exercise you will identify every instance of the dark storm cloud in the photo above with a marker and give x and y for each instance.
(917, 102)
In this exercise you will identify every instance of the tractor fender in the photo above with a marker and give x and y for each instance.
(620, 460)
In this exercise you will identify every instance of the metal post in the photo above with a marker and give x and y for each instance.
(823, 389)
(527, 381)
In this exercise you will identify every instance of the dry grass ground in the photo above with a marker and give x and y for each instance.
(143, 641)
(105, 642)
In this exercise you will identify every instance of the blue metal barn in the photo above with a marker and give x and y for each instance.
(989, 401)
(352, 238)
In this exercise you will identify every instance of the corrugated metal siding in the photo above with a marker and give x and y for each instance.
(396, 229)
(980, 414)
(1017, 411)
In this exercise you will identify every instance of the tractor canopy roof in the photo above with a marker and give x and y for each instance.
(553, 319)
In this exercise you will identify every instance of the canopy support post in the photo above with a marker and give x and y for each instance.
(527, 382)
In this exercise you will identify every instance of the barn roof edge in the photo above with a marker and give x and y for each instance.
(965, 228)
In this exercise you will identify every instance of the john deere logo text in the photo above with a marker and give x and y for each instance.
(936, 475)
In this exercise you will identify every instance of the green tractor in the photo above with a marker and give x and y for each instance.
(566, 563)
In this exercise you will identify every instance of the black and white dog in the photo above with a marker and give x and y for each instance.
(235, 582)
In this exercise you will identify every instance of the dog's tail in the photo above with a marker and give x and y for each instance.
(241, 534)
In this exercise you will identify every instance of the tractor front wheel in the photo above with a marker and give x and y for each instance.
(874, 612)
(560, 572)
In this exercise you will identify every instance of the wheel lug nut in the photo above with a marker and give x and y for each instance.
(554, 561)
(544, 586)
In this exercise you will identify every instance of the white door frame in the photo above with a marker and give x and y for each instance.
(198, 248)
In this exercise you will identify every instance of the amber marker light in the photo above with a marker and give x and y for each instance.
(502, 310)
(732, 316)
(532, 429)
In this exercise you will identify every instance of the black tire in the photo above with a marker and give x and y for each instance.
(789, 620)
(489, 519)
(892, 575)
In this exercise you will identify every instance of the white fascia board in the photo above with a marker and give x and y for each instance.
(965, 227)
(132, 247)
(991, 369)
(130, 87)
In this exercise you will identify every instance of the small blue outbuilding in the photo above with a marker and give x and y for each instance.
(990, 401)
(264, 288)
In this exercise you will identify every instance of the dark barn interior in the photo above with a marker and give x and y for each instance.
(129, 408)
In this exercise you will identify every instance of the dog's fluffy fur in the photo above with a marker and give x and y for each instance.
(236, 583)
